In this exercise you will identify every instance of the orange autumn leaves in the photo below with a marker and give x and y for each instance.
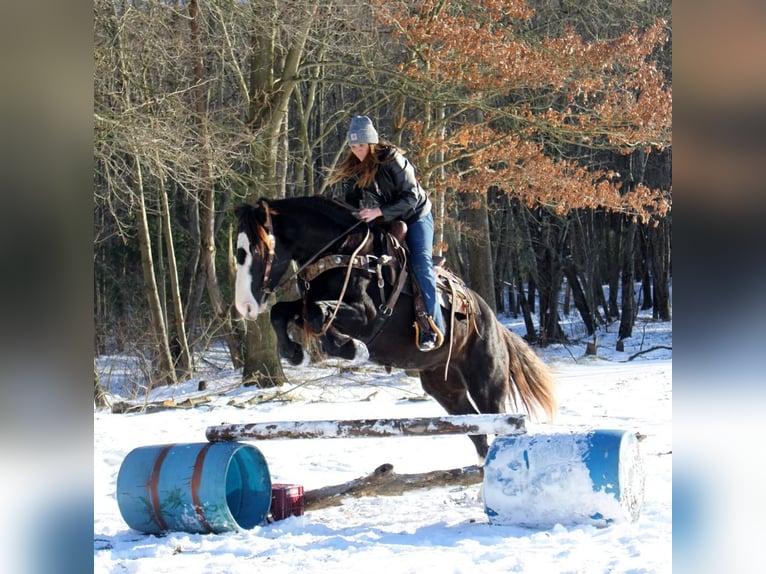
(524, 113)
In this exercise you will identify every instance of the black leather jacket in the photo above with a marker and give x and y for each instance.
(395, 189)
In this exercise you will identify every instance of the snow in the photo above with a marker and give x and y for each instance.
(442, 529)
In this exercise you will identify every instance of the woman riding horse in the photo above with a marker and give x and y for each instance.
(378, 179)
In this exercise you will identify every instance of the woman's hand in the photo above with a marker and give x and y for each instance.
(369, 214)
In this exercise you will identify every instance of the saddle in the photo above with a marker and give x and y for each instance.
(451, 292)
(392, 258)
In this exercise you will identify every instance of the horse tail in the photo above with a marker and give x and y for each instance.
(532, 385)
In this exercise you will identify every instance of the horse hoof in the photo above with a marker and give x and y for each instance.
(296, 356)
(302, 359)
(362, 354)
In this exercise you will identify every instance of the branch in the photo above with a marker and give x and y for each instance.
(383, 481)
(633, 356)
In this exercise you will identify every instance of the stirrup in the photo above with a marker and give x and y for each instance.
(428, 340)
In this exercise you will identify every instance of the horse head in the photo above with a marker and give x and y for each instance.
(271, 233)
(260, 265)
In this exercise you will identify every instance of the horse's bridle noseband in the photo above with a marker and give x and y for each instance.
(270, 252)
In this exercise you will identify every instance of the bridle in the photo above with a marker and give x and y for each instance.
(268, 228)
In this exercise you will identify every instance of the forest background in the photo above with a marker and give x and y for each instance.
(541, 129)
(46, 297)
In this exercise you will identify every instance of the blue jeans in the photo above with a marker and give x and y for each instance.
(420, 241)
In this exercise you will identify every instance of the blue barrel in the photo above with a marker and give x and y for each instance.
(540, 480)
(195, 487)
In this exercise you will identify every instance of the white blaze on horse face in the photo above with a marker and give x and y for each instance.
(243, 293)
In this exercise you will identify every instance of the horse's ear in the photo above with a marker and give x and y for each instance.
(245, 210)
(264, 209)
(257, 213)
(247, 213)
(239, 211)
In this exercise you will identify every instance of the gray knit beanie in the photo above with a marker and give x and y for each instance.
(361, 130)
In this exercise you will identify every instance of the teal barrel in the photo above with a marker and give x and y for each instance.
(195, 487)
(540, 480)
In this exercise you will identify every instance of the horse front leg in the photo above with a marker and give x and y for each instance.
(336, 344)
(284, 315)
(336, 340)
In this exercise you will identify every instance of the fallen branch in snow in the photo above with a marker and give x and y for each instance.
(634, 355)
(383, 481)
(123, 407)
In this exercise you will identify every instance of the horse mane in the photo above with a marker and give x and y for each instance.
(318, 205)
(248, 219)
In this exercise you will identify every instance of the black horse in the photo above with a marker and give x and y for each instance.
(352, 291)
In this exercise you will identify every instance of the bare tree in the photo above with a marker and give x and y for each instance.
(278, 44)
(562, 110)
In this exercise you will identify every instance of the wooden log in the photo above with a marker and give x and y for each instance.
(383, 481)
(155, 406)
(503, 424)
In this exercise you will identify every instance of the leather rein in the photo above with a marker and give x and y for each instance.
(315, 266)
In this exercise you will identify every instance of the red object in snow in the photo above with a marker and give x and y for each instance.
(286, 501)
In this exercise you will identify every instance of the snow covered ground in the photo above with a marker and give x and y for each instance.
(443, 529)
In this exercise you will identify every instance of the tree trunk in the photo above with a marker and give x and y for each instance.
(580, 301)
(451, 237)
(600, 300)
(587, 245)
(531, 335)
(439, 197)
(208, 227)
(183, 359)
(304, 170)
(262, 365)
(549, 288)
(191, 291)
(647, 298)
(614, 256)
(628, 280)
(645, 273)
(269, 105)
(166, 369)
(501, 228)
(528, 257)
(481, 278)
(550, 278)
(99, 395)
(660, 261)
